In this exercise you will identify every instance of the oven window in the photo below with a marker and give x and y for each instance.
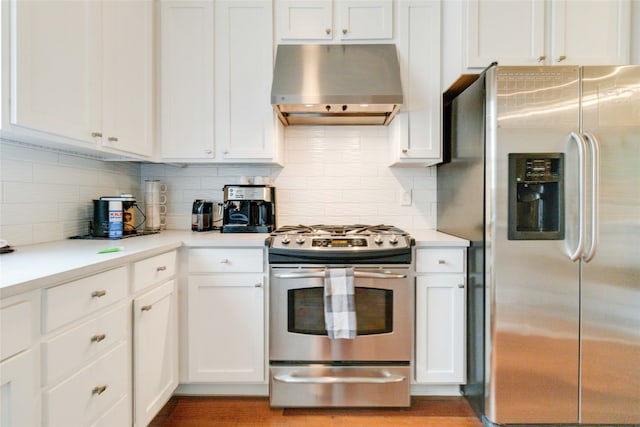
(374, 311)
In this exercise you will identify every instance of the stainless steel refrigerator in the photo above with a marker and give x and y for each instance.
(542, 175)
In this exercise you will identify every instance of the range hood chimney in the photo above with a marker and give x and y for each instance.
(353, 84)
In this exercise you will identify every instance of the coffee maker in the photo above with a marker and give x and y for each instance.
(249, 209)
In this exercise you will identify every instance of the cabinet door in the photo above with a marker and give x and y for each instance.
(226, 328)
(19, 391)
(127, 76)
(155, 350)
(186, 80)
(510, 32)
(245, 121)
(362, 20)
(55, 57)
(440, 320)
(304, 20)
(416, 128)
(590, 33)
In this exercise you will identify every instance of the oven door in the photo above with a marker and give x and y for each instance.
(383, 315)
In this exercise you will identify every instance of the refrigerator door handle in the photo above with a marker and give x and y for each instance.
(595, 194)
(582, 166)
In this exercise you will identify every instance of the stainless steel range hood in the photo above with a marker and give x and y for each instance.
(352, 84)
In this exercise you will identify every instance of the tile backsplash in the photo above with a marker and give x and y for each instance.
(331, 175)
(47, 195)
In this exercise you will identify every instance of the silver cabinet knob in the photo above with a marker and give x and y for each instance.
(542, 58)
(328, 31)
(96, 134)
(562, 58)
(345, 31)
(98, 337)
(112, 139)
(461, 285)
(224, 261)
(146, 307)
(98, 294)
(442, 261)
(99, 389)
(161, 268)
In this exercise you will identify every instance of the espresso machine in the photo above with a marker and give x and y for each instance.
(249, 209)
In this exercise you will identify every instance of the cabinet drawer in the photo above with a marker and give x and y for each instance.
(76, 299)
(15, 329)
(223, 260)
(65, 353)
(440, 260)
(153, 270)
(90, 393)
(118, 415)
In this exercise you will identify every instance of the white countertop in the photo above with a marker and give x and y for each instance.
(33, 266)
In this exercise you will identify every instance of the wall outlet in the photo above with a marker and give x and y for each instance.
(405, 198)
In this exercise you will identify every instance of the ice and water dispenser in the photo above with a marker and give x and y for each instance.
(536, 196)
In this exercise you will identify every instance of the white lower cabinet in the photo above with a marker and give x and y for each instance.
(440, 316)
(18, 391)
(226, 328)
(155, 350)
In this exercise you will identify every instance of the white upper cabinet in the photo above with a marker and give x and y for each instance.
(334, 20)
(415, 131)
(127, 77)
(246, 125)
(564, 33)
(186, 80)
(81, 74)
(54, 85)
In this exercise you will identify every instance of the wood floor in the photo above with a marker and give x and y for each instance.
(190, 411)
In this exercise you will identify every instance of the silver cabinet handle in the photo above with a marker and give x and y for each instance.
(146, 307)
(345, 31)
(328, 31)
(96, 134)
(562, 58)
(595, 195)
(541, 58)
(112, 139)
(161, 268)
(581, 195)
(98, 294)
(461, 285)
(224, 261)
(98, 337)
(405, 150)
(257, 285)
(442, 261)
(99, 389)
(384, 379)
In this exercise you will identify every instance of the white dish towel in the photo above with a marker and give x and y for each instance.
(339, 303)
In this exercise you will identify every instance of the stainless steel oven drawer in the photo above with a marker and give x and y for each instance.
(339, 386)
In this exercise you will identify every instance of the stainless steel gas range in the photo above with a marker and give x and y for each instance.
(308, 368)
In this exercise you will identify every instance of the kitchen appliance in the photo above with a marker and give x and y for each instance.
(201, 215)
(249, 209)
(354, 84)
(541, 176)
(126, 205)
(307, 368)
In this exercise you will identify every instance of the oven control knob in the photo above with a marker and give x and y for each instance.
(378, 239)
(393, 239)
(286, 240)
(300, 240)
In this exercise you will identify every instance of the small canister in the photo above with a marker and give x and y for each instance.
(115, 219)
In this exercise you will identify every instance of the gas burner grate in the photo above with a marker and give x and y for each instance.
(338, 230)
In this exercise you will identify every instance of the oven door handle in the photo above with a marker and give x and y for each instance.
(320, 274)
(385, 378)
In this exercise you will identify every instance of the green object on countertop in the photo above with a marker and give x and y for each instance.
(109, 250)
